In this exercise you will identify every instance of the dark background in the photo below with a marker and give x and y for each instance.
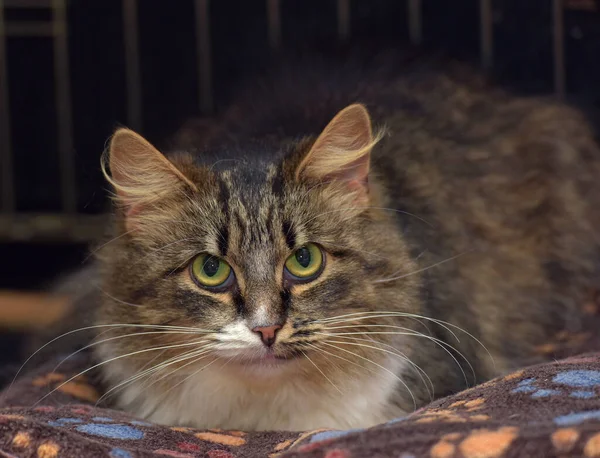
(523, 60)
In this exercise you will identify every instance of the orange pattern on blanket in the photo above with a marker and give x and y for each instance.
(48, 378)
(48, 450)
(592, 446)
(21, 439)
(224, 439)
(484, 443)
(442, 449)
(564, 439)
(81, 391)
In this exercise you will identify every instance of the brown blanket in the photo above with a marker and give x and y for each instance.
(542, 411)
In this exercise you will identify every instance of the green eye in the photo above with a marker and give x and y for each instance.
(305, 262)
(210, 271)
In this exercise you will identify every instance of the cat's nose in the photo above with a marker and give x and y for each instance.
(267, 333)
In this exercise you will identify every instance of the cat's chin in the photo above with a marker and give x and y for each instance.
(267, 363)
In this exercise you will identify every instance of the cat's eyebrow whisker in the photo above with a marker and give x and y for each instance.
(92, 253)
(358, 251)
(438, 342)
(158, 250)
(165, 347)
(337, 347)
(226, 160)
(368, 207)
(423, 269)
(116, 299)
(322, 373)
(179, 266)
(399, 354)
(98, 248)
(133, 334)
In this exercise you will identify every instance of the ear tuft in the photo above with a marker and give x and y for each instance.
(139, 173)
(342, 151)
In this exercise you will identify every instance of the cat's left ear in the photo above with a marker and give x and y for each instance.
(342, 152)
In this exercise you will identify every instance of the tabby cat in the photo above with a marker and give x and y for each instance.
(341, 246)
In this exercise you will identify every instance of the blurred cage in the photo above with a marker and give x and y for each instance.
(71, 70)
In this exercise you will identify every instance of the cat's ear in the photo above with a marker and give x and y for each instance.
(342, 152)
(139, 173)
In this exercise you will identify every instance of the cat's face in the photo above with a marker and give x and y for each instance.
(269, 268)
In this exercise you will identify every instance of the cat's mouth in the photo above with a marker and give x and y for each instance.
(269, 358)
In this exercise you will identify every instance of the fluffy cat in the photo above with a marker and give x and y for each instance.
(342, 245)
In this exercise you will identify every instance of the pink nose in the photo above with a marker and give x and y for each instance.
(267, 333)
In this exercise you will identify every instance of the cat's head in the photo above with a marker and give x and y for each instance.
(269, 266)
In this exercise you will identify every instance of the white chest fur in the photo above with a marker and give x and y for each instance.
(218, 399)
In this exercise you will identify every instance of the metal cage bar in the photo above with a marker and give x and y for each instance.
(204, 56)
(559, 47)
(415, 21)
(69, 225)
(8, 192)
(63, 107)
(31, 29)
(28, 3)
(132, 64)
(343, 17)
(274, 23)
(486, 25)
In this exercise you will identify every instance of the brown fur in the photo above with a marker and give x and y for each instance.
(481, 211)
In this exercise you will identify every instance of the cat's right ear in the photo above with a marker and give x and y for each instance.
(342, 152)
(139, 173)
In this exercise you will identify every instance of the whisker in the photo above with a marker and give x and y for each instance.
(398, 353)
(439, 342)
(135, 334)
(359, 251)
(325, 352)
(369, 207)
(149, 371)
(423, 269)
(378, 365)
(167, 347)
(92, 253)
(203, 351)
(385, 314)
(411, 331)
(322, 373)
(154, 369)
(352, 320)
(158, 250)
(442, 323)
(86, 328)
(189, 376)
(115, 299)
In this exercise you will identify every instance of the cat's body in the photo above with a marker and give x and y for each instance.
(480, 209)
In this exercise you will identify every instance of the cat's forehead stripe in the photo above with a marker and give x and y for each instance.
(223, 235)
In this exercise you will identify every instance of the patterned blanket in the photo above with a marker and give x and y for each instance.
(543, 411)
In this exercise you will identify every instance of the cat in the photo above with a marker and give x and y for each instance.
(342, 245)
